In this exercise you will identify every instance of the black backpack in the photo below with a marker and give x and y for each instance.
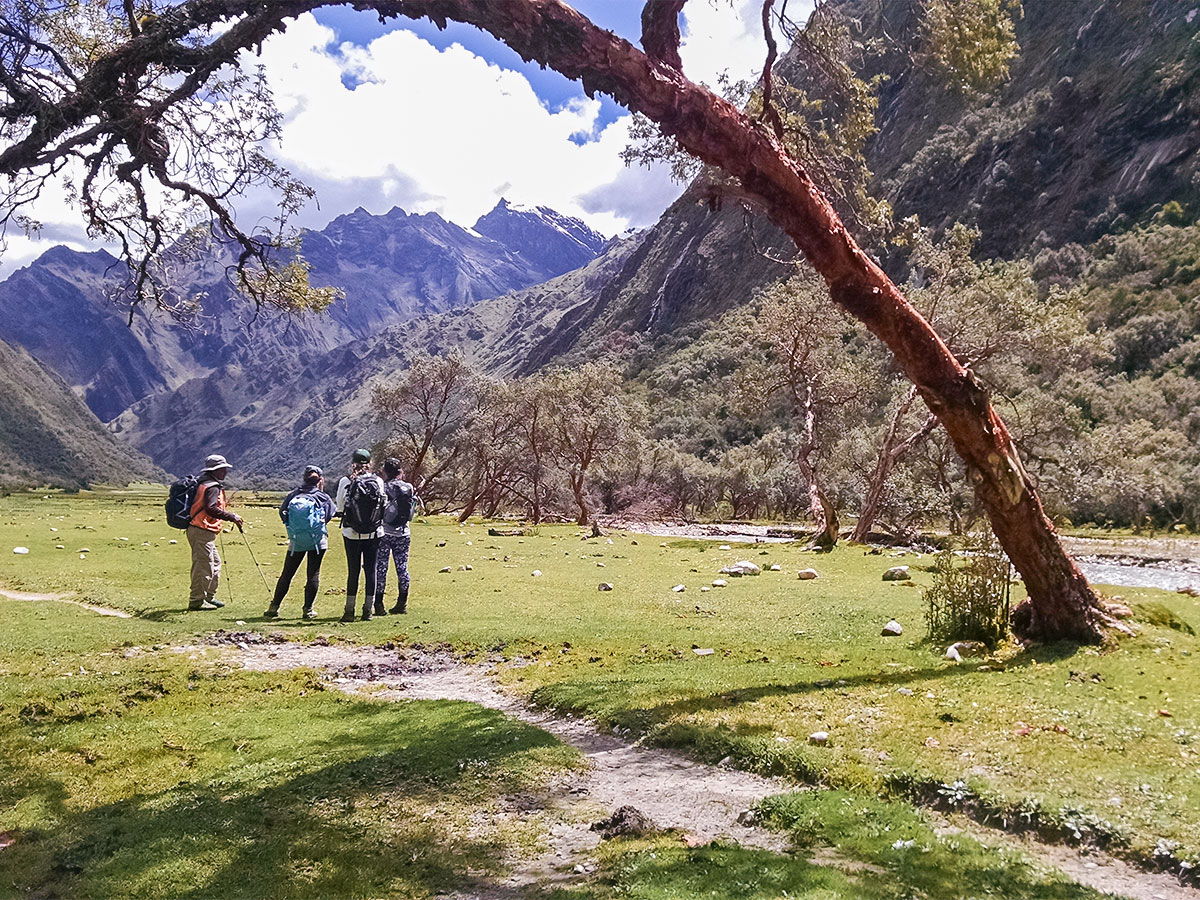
(179, 501)
(365, 502)
(399, 505)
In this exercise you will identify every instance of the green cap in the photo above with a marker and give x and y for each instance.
(361, 455)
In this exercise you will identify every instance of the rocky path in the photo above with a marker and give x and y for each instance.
(702, 802)
(65, 598)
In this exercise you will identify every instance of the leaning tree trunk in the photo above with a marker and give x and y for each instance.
(1060, 605)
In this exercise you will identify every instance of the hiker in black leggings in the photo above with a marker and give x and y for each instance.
(304, 511)
(362, 547)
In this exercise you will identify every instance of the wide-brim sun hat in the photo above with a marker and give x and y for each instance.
(216, 461)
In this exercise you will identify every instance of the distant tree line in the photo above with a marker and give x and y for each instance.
(784, 409)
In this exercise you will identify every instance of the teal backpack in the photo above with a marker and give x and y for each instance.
(305, 523)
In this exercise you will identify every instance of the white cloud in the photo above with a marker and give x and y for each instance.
(440, 131)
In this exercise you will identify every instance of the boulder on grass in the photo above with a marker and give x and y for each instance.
(896, 573)
(892, 629)
(741, 567)
(807, 574)
(605, 586)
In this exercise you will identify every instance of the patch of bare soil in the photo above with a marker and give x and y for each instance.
(1094, 868)
(702, 803)
(65, 598)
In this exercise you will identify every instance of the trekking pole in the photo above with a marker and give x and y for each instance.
(228, 581)
(256, 565)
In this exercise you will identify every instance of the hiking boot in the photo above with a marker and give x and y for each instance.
(348, 612)
(368, 612)
(215, 602)
(272, 612)
(401, 606)
(203, 604)
(380, 609)
(309, 612)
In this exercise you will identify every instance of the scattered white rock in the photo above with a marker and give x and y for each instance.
(663, 544)
(724, 547)
(537, 573)
(820, 738)
(896, 573)
(705, 589)
(444, 569)
(600, 565)
(20, 551)
(775, 567)
(907, 692)
(703, 651)
(605, 586)
(122, 539)
(172, 541)
(953, 654)
(807, 574)
(719, 582)
(60, 547)
(892, 629)
(608, 540)
(83, 556)
(54, 529)
(85, 549)
(441, 543)
(679, 588)
(741, 567)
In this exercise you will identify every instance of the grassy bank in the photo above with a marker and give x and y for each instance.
(178, 770)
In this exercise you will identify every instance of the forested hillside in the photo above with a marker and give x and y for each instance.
(48, 437)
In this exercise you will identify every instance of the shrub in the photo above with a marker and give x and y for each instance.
(969, 596)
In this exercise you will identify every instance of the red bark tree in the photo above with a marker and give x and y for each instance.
(101, 109)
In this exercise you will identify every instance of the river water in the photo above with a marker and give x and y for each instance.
(1171, 564)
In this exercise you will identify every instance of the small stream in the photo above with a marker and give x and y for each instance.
(1117, 562)
(1157, 575)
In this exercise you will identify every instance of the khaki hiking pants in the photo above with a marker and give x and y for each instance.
(206, 564)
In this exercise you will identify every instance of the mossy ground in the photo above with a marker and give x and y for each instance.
(172, 776)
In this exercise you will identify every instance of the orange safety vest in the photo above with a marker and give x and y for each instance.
(200, 518)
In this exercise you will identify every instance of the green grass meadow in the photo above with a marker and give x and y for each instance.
(128, 768)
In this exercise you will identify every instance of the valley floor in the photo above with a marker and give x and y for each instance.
(464, 750)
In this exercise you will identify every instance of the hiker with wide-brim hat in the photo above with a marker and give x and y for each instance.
(304, 512)
(208, 517)
(361, 499)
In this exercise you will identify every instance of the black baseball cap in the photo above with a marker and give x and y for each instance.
(313, 470)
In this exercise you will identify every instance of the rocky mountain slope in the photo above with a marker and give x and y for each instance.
(1098, 124)
(277, 415)
(48, 436)
(391, 268)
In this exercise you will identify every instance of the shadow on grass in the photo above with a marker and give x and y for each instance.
(376, 806)
(585, 695)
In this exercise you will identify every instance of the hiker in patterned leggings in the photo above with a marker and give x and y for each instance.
(401, 502)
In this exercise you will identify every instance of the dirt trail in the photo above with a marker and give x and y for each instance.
(65, 598)
(703, 802)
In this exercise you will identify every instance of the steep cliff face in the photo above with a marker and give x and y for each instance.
(391, 268)
(1098, 125)
(47, 435)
